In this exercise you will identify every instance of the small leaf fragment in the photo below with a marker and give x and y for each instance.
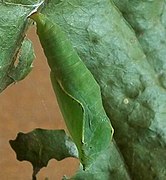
(41, 145)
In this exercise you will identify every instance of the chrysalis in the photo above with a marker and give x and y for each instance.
(77, 92)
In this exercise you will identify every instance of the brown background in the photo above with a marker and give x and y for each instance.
(25, 106)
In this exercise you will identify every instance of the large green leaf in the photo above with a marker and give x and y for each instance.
(131, 93)
(41, 145)
(13, 24)
(148, 20)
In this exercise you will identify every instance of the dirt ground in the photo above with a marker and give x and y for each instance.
(25, 106)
